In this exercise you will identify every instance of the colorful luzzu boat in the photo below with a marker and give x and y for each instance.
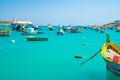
(111, 54)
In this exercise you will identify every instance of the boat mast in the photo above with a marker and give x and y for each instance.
(107, 38)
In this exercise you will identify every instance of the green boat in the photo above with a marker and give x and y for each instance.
(35, 38)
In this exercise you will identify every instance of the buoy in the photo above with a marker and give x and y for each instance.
(84, 43)
(13, 41)
(78, 57)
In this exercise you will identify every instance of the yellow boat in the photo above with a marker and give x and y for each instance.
(111, 54)
(4, 30)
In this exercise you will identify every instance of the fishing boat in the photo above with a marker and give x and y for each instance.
(67, 28)
(77, 30)
(29, 31)
(118, 28)
(60, 32)
(111, 54)
(102, 30)
(4, 30)
(36, 38)
(50, 27)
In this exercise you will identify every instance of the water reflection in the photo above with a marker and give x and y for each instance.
(111, 76)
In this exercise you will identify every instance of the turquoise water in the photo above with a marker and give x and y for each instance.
(54, 59)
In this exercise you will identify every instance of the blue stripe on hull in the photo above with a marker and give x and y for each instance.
(114, 71)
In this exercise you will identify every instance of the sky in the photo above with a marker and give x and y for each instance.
(55, 12)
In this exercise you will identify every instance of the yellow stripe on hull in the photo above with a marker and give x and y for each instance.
(104, 48)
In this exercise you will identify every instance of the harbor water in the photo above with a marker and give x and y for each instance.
(54, 59)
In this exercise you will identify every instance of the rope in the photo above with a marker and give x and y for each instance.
(90, 57)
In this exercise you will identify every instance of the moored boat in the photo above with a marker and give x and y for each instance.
(36, 38)
(50, 27)
(29, 31)
(76, 30)
(118, 28)
(60, 32)
(4, 30)
(111, 54)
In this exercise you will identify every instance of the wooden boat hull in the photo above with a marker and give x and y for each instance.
(114, 69)
(76, 31)
(112, 63)
(4, 32)
(37, 39)
(60, 33)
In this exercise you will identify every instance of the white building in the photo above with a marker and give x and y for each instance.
(21, 22)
